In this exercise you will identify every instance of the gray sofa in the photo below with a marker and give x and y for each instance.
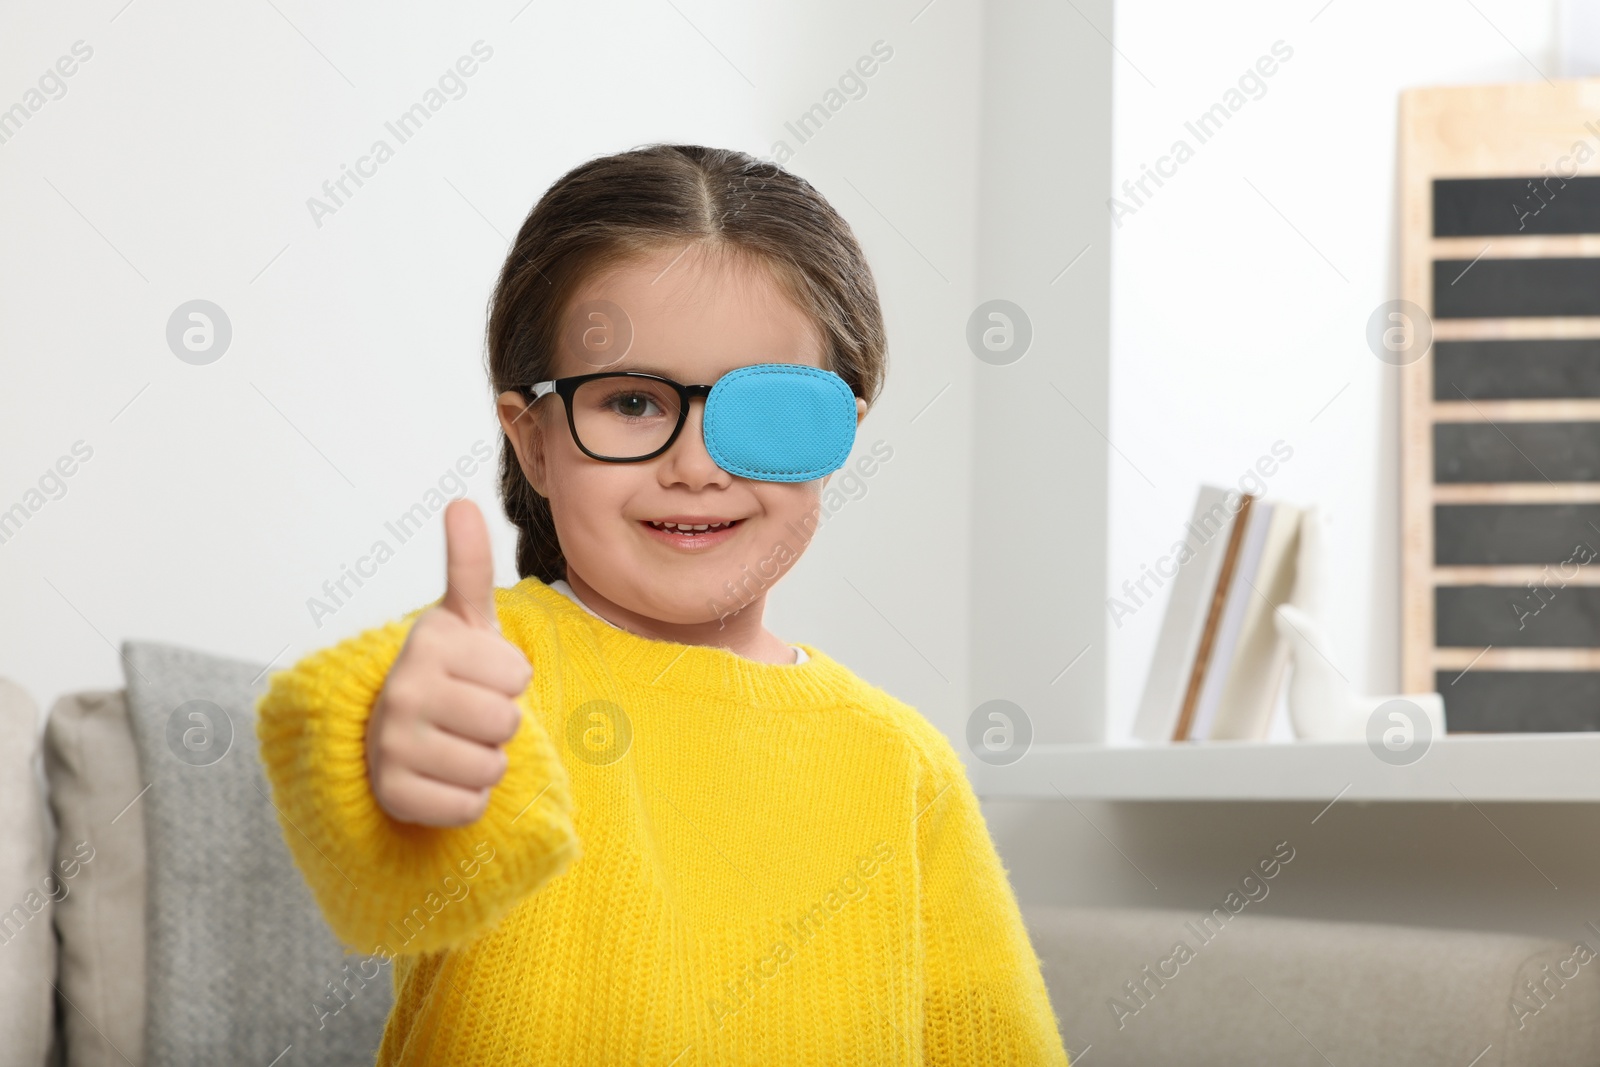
(150, 914)
(1266, 990)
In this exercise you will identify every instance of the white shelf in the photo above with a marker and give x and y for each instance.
(1500, 767)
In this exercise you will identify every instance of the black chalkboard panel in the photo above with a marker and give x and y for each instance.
(1514, 288)
(1491, 535)
(1500, 415)
(1514, 616)
(1482, 701)
(1523, 369)
(1548, 203)
(1516, 451)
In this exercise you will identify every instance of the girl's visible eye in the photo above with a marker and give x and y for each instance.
(630, 404)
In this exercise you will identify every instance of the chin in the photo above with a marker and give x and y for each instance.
(658, 596)
(685, 605)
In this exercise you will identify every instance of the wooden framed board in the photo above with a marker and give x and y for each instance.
(1500, 411)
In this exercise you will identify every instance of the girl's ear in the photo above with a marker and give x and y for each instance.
(522, 425)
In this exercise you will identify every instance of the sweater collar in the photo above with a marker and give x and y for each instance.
(697, 670)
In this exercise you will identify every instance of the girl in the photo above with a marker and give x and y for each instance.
(605, 816)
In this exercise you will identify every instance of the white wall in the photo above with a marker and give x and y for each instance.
(177, 165)
(1240, 290)
(1038, 518)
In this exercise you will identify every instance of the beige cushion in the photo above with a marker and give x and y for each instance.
(93, 771)
(1279, 991)
(27, 888)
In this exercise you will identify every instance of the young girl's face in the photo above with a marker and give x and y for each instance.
(693, 318)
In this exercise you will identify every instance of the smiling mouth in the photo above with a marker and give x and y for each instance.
(692, 529)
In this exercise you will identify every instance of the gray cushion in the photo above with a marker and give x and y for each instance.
(242, 966)
(28, 885)
(1282, 992)
(95, 793)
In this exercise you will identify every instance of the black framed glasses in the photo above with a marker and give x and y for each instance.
(621, 416)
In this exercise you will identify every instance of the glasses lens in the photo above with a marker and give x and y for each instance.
(624, 418)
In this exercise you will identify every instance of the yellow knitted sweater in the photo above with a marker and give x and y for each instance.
(693, 858)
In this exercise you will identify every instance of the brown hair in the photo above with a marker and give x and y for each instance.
(610, 209)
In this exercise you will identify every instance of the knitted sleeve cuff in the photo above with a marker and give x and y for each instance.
(388, 887)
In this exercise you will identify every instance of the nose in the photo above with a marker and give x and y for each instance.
(687, 461)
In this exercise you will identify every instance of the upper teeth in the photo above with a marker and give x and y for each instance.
(686, 526)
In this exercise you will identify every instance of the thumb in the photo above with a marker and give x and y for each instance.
(469, 566)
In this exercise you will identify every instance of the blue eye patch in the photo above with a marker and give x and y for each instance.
(780, 422)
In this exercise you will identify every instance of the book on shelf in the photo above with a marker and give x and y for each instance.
(1218, 664)
(1260, 657)
(1200, 560)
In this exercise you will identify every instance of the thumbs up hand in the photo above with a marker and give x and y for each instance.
(434, 739)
